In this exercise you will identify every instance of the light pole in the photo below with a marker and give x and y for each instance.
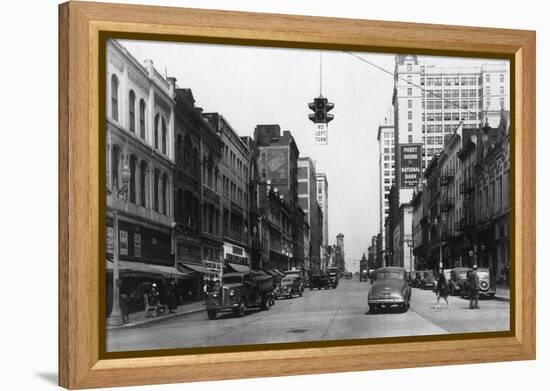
(439, 224)
(410, 244)
(115, 318)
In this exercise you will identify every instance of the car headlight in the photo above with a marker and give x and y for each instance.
(214, 294)
(232, 292)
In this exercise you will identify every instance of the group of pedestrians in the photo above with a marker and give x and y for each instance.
(442, 289)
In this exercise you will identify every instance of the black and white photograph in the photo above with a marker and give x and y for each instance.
(262, 195)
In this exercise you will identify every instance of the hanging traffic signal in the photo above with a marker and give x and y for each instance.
(320, 107)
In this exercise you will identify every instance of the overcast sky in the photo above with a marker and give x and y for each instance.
(251, 86)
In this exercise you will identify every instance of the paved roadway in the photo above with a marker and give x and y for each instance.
(318, 315)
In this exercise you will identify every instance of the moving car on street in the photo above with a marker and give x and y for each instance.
(290, 286)
(389, 288)
(240, 291)
(321, 281)
(333, 276)
(428, 280)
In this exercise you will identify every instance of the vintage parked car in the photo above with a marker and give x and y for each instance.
(289, 287)
(411, 278)
(428, 280)
(390, 288)
(240, 291)
(319, 282)
(487, 284)
(457, 279)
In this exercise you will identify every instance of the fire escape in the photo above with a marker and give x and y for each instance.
(467, 188)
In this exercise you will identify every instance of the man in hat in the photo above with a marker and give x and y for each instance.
(473, 285)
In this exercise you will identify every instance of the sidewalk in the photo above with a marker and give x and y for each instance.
(139, 319)
(503, 292)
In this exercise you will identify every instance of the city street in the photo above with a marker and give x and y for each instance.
(318, 315)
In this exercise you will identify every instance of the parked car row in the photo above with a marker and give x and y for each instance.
(240, 291)
(458, 281)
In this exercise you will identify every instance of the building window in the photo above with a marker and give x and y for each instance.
(410, 115)
(156, 131)
(409, 91)
(133, 166)
(410, 127)
(410, 103)
(164, 136)
(410, 138)
(132, 110)
(501, 90)
(114, 97)
(142, 119)
(487, 77)
(156, 181)
(502, 77)
(409, 67)
(143, 183)
(409, 79)
(165, 194)
(115, 164)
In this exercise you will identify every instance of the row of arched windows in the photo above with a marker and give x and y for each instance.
(141, 183)
(160, 136)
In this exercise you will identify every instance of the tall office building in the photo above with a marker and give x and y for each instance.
(307, 199)
(322, 199)
(430, 102)
(386, 153)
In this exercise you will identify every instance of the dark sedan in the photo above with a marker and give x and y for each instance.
(389, 288)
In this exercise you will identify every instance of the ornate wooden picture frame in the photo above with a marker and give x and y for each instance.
(83, 29)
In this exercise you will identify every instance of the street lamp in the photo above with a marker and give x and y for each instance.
(115, 318)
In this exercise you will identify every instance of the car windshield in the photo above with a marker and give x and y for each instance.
(233, 280)
(483, 274)
(287, 280)
(389, 275)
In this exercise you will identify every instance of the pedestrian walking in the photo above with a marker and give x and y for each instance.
(125, 306)
(172, 297)
(153, 301)
(442, 289)
(473, 285)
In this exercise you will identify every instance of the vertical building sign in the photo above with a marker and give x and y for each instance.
(110, 240)
(411, 165)
(137, 245)
(123, 242)
(321, 133)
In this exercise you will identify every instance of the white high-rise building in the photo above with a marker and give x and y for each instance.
(386, 153)
(430, 101)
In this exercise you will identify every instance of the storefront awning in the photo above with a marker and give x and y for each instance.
(277, 271)
(140, 269)
(239, 268)
(192, 267)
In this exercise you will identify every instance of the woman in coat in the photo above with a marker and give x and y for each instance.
(442, 289)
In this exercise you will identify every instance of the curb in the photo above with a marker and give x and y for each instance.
(157, 319)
